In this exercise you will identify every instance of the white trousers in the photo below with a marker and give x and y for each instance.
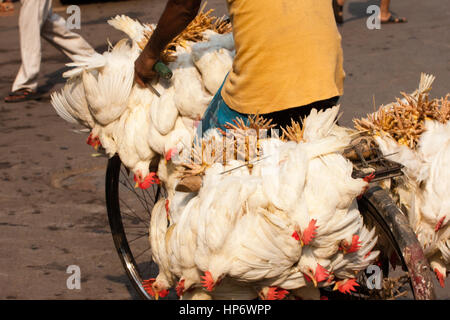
(37, 20)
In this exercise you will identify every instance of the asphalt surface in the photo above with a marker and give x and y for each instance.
(52, 202)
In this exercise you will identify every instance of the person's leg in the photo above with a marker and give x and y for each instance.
(384, 6)
(386, 16)
(31, 17)
(338, 8)
(6, 6)
(70, 43)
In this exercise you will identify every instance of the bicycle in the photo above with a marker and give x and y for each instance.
(129, 212)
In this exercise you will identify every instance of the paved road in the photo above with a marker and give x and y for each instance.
(51, 189)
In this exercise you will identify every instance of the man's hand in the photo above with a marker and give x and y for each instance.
(176, 16)
(143, 69)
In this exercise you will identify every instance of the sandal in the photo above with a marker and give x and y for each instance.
(338, 12)
(22, 95)
(394, 19)
(6, 7)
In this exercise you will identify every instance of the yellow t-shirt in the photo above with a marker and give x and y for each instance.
(288, 54)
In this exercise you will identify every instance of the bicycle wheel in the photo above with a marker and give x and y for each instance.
(129, 212)
(399, 247)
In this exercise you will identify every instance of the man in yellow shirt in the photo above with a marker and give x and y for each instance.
(288, 58)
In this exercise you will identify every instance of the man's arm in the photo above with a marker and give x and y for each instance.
(175, 18)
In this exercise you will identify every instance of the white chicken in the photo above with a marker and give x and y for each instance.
(163, 112)
(249, 231)
(433, 228)
(131, 136)
(71, 105)
(158, 230)
(128, 120)
(265, 244)
(107, 90)
(424, 191)
(214, 61)
(191, 99)
(137, 31)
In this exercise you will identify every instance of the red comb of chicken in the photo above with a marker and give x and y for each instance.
(167, 205)
(296, 236)
(149, 180)
(356, 244)
(208, 281)
(93, 141)
(369, 178)
(170, 153)
(148, 287)
(164, 293)
(308, 279)
(353, 247)
(439, 224)
(180, 288)
(321, 273)
(276, 293)
(147, 284)
(309, 233)
(282, 294)
(440, 277)
(346, 286)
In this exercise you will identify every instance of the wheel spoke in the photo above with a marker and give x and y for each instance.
(140, 254)
(139, 237)
(145, 201)
(127, 185)
(135, 215)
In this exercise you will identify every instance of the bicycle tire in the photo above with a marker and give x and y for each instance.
(377, 203)
(116, 216)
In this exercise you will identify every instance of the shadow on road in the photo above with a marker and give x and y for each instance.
(123, 279)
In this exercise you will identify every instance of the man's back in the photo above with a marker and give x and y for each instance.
(288, 54)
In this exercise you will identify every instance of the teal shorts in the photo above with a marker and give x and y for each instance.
(218, 114)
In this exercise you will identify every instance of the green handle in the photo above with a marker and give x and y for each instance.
(162, 70)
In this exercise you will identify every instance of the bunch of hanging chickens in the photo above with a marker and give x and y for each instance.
(415, 132)
(273, 216)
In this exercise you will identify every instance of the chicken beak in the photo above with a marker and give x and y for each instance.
(156, 295)
(314, 281)
(336, 286)
(136, 185)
